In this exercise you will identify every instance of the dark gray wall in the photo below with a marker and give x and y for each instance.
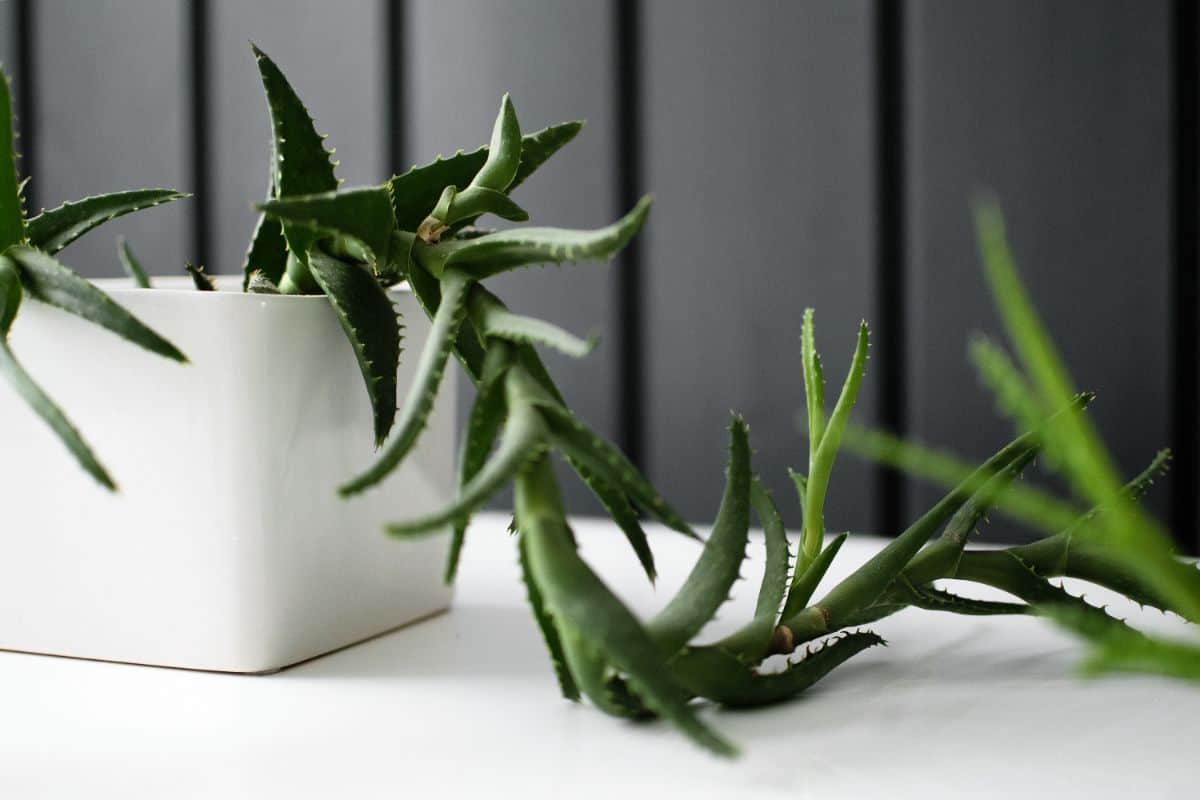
(759, 150)
(1062, 109)
(761, 135)
(110, 115)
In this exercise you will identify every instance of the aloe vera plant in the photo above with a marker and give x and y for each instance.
(29, 270)
(420, 227)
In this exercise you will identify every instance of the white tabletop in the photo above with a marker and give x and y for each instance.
(465, 705)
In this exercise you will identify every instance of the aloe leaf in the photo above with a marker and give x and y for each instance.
(806, 581)
(12, 215)
(267, 253)
(575, 595)
(593, 675)
(623, 514)
(933, 599)
(520, 441)
(504, 150)
(866, 584)
(1026, 504)
(364, 214)
(53, 230)
(831, 439)
(372, 326)
(1122, 649)
(717, 675)
(537, 148)
(752, 642)
(483, 426)
(416, 192)
(467, 348)
(129, 263)
(30, 392)
(941, 558)
(707, 586)
(550, 635)
(814, 390)
(1005, 571)
(1076, 445)
(499, 322)
(581, 444)
(519, 247)
(49, 281)
(301, 165)
(801, 484)
(427, 378)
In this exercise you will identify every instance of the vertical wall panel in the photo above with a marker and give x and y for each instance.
(110, 105)
(556, 60)
(760, 155)
(1062, 109)
(332, 55)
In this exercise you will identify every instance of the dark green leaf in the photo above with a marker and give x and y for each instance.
(428, 376)
(370, 322)
(53, 230)
(12, 216)
(47, 280)
(707, 586)
(129, 263)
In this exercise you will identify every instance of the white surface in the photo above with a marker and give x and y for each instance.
(271, 569)
(465, 705)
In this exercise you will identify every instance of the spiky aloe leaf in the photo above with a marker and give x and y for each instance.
(520, 441)
(483, 426)
(30, 392)
(575, 595)
(363, 214)
(558, 659)
(416, 192)
(866, 584)
(496, 320)
(49, 281)
(717, 675)
(751, 642)
(12, 216)
(592, 673)
(1122, 649)
(1024, 503)
(301, 164)
(933, 599)
(831, 439)
(432, 364)
(129, 263)
(580, 443)
(372, 326)
(1076, 444)
(623, 514)
(53, 230)
(814, 388)
(267, 254)
(707, 586)
(519, 247)
(536, 148)
(806, 581)
(467, 348)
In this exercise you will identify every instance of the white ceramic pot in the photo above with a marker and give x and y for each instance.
(227, 547)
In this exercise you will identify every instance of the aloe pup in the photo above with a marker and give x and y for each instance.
(29, 270)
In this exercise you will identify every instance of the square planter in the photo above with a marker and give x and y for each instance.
(227, 547)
